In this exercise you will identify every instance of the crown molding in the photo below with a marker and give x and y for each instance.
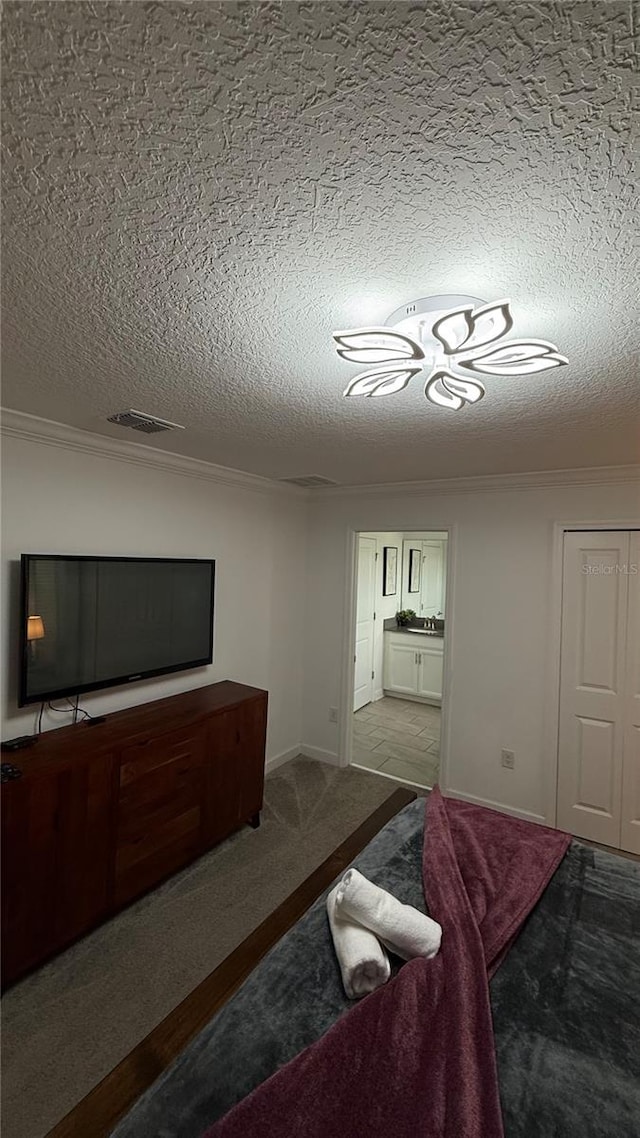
(487, 483)
(17, 424)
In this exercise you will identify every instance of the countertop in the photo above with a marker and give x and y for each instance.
(415, 633)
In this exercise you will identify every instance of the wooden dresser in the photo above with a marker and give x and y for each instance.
(104, 812)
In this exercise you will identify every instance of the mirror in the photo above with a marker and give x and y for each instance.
(424, 573)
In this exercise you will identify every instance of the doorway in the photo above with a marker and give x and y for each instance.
(399, 654)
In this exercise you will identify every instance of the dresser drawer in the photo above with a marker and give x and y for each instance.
(160, 814)
(140, 760)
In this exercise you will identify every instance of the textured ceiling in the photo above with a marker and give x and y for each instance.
(197, 195)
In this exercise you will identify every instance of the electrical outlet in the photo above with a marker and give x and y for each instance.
(333, 715)
(508, 759)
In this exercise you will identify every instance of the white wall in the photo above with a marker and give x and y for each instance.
(271, 632)
(499, 620)
(58, 500)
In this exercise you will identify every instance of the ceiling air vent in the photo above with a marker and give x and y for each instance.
(310, 481)
(140, 421)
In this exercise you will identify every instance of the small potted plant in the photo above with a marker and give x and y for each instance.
(404, 617)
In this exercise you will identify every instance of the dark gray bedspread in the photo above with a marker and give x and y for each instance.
(566, 1005)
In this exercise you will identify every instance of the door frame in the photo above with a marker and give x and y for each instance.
(345, 717)
(359, 538)
(551, 732)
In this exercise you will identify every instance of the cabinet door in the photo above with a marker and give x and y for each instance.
(401, 667)
(56, 841)
(235, 768)
(430, 673)
(160, 809)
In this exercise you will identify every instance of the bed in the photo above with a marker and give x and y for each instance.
(565, 1005)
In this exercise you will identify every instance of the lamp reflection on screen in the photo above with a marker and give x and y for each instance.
(35, 631)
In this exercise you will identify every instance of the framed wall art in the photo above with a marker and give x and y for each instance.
(415, 561)
(390, 571)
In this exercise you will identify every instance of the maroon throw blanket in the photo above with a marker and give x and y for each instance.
(416, 1058)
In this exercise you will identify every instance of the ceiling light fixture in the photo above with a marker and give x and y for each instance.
(444, 334)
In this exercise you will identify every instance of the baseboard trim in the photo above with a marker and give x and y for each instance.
(322, 756)
(526, 815)
(276, 761)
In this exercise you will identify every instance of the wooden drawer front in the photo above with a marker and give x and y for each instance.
(160, 810)
(152, 754)
(164, 793)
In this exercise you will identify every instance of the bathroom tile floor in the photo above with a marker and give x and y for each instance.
(399, 738)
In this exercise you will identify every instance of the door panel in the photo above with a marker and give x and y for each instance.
(235, 769)
(594, 634)
(29, 840)
(56, 837)
(595, 748)
(85, 841)
(600, 621)
(363, 678)
(630, 833)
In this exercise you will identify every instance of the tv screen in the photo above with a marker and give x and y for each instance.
(94, 622)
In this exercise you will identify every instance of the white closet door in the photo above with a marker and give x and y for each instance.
(630, 833)
(592, 683)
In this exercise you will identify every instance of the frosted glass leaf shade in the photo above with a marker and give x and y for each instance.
(442, 335)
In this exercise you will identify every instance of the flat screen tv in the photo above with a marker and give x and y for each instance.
(94, 622)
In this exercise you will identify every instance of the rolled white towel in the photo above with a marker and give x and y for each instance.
(401, 928)
(363, 961)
